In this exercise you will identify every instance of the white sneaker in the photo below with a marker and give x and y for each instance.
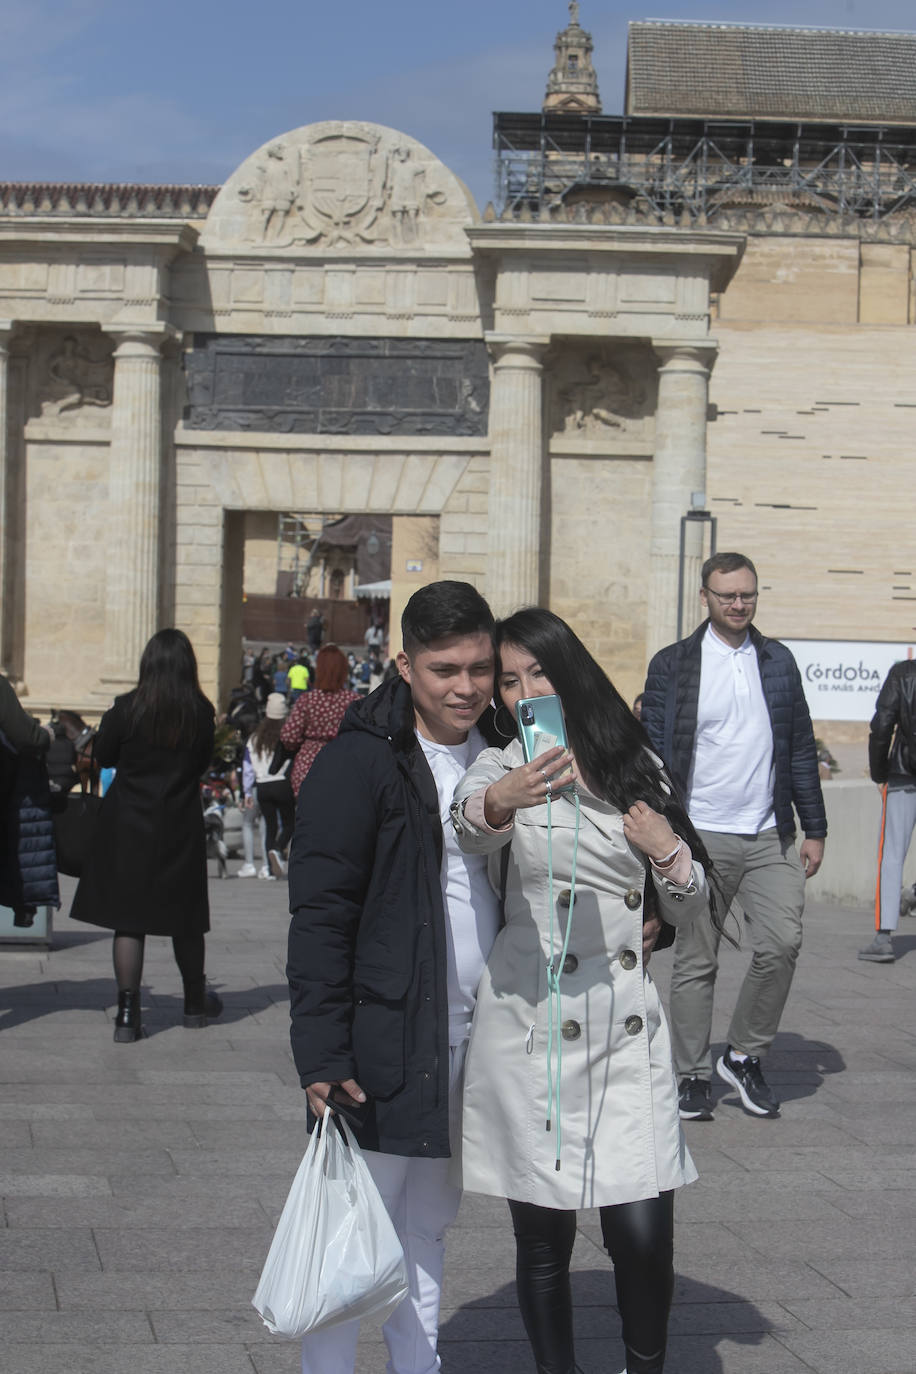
(277, 864)
(266, 875)
(247, 871)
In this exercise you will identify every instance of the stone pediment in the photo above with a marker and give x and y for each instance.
(341, 186)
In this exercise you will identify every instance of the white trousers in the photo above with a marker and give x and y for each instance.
(251, 818)
(422, 1203)
(898, 820)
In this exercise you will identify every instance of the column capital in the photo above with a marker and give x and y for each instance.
(141, 339)
(688, 355)
(524, 350)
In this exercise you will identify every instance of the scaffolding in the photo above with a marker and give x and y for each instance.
(298, 539)
(694, 168)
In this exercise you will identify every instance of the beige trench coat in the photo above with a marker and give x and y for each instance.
(621, 1133)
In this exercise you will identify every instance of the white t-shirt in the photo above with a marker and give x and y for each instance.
(730, 788)
(471, 905)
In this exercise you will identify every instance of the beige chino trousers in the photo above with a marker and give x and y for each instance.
(765, 875)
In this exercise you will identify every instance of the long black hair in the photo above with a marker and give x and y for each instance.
(166, 706)
(611, 747)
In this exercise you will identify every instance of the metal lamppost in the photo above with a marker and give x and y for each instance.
(697, 515)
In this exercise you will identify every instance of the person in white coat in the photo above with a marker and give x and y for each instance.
(570, 1097)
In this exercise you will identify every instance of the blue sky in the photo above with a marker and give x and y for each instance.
(184, 90)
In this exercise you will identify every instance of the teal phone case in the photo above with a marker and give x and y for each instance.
(541, 727)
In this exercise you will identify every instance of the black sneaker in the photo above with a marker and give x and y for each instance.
(694, 1099)
(750, 1083)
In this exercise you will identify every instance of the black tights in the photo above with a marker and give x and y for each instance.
(127, 953)
(639, 1237)
(279, 822)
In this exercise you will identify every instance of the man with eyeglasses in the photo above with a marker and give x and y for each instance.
(726, 710)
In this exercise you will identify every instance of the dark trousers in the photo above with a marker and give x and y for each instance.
(639, 1237)
(278, 807)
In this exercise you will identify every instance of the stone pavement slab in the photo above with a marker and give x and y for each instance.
(141, 1183)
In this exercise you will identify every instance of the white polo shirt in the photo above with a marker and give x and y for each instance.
(730, 788)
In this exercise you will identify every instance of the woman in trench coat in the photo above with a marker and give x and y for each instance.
(570, 1096)
(147, 870)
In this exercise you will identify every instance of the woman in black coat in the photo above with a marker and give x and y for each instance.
(147, 870)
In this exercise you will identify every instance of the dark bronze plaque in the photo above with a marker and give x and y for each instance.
(337, 385)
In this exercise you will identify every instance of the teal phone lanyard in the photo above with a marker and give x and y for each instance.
(554, 970)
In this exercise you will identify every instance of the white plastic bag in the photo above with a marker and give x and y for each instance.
(335, 1255)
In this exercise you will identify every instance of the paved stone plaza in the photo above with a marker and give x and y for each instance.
(140, 1183)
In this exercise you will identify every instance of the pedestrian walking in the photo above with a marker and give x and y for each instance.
(726, 710)
(316, 716)
(147, 869)
(274, 793)
(892, 764)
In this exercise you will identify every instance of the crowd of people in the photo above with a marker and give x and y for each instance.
(473, 915)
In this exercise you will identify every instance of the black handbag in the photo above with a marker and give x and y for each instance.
(74, 830)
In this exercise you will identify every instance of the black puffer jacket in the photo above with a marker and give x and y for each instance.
(669, 713)
(28, 862)
(367, 941)
(892, 740)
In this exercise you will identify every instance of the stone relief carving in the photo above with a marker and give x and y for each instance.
(274, 190)
(597, 392)
(339, 189)
(340, 185)
(73, 379)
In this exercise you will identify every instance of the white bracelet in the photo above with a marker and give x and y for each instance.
(669, 859)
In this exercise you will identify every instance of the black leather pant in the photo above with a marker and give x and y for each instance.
(639, 1237)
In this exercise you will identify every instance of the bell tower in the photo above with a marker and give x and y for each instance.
(572, 87)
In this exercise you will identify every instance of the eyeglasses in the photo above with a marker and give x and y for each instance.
(732, 598)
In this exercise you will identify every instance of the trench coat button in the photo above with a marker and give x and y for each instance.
(570, 1030)
(570, 964)
(565, 897)
(627, 959)
(677, 896)
(633, 1025)
(633, 898)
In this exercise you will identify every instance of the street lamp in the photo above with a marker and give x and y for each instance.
(697, 515)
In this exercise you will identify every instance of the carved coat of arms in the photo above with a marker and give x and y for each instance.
(342, 188)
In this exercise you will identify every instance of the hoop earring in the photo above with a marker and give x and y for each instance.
(506, 734)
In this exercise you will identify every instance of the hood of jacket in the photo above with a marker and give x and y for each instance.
(388, 713)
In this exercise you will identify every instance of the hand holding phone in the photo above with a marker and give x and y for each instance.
(528, 785)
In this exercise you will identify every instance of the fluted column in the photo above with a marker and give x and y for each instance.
(516, 473)
(132, 532)
(678, 472)
(6, 329)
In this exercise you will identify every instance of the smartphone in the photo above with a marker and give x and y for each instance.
(541, 727)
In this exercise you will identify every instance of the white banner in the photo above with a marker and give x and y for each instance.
(842, 677)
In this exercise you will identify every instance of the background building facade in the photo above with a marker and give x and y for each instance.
(654, 321)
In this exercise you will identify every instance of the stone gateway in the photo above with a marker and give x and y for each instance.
(338, 330)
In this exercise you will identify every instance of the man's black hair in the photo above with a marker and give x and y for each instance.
(441, 609)
(726, 563)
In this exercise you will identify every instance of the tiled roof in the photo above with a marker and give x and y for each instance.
(759, 72)
(106, 199)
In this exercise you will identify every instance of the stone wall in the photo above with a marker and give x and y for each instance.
(810, 454)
